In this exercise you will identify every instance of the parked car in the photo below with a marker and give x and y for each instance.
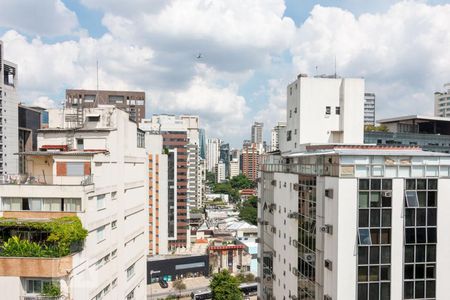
(163, 284)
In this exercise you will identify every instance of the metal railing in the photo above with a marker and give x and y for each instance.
(27, 179)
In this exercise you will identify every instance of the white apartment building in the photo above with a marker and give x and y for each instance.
(9, 118)
(257, 133)
(96, 173)
(369, 109)
(275, 136)
(234, 168)
(212, 153)
(348, 220)
(220, 172)
(331, 104)
(442, 102)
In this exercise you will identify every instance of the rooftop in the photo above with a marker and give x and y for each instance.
(416, 118)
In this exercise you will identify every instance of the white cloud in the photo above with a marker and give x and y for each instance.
(43, 17)
(44, 102)
(402, 53)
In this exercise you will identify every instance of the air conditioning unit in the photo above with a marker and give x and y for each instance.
(296, 186)
(274, 276)
(386, 194)
(273, 229)
(295, 271)
(295, 243)
(329, 264)
(310, 257)
(326, 297)
(273, 182)
(293, 215)
(329, 193)
(273, 206)
(327, 228)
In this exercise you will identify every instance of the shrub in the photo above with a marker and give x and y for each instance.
(51, 289)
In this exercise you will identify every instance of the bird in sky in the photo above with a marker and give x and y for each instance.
(200, 55)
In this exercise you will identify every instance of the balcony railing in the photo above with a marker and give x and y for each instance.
(45, 180)
(38, 297)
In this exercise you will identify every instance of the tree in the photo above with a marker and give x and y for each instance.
(225, 287)
(248, 211)
(179, 285)
(210, 178)
(241, 182)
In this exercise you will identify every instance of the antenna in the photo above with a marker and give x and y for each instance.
(335, 68)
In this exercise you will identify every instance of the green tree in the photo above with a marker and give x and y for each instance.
(248, 211)
(225, 287)
(210, 178)
(179, 285)
(241, 182)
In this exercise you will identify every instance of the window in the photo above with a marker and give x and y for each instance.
(364, 237)
(116, 99)
(72, 204)
(114, 283)
(51, 204)
(130, 296)
(80, 144)
(130, 271)
(75, 168)
(89, 98)
(101, 203)
(328, 110)
(338, 110)
(114, 253)
(100, 234)
(114, 224)
(36, 286)
(11, 204)
(289, 135)
(106, 289)
(411, 199)
(113, 195)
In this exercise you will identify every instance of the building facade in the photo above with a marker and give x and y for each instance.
(369, 109)
(234, 168)
(220, 172)
(202, 143)
(275, 136)
(250, 161)
(257, 133)
(225, 157)
(29, 124)
(129, 101)
(213, 153)
(103, 187)
(331, 104)
(442, 102)
(9, 101)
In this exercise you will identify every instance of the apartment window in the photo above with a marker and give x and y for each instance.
(295, 110)
(420, 238)
(290, 90)
(130, 296)
(100, 234)
(338, 110)
(36, 286)
(101, 202)
(11, 204)
(114, 224)
(113, 195)
(288, 135)
(114, 253)
(116, 99)
(50, 204)
(290, 113)
(72, 204)
(75, 168)
(328, 110)
(89, 98)
(114, 283)
(130, 271)
(106, 289)
(98, 296)
(374, 238)
(80, 144)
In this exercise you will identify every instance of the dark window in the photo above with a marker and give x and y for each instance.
(328, 110)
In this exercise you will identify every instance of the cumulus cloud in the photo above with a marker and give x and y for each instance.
(44, 102)
(401, 53)
(44, 17)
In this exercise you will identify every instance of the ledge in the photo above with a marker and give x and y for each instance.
(35, 266)
(37, 214)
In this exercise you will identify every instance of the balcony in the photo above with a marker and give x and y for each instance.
(39, 248)
(18, 179)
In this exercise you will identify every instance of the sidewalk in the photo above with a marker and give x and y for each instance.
(199, 283)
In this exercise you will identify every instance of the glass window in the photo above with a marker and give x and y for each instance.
(431, 199)
(421, 237)
(130, 271)
(363, 199)
(51, 204)
(72, 204)
(363, 218)
(385, 291)
(422, 197)
(411, 199)
(362, 274)
(410, 236)
(373, 291)
(431, 253)
(432, 184)
(374, 272)
(431, 235)
(420, 253)
(75, 168)
(421, 184)
(410, 217)
(364, 236)
(420, 289)
(100, 234)
(408, 290)
(410, 184)
(35, 204)
(375, 184)
(421, 216)
(385, 254)
(431, 289)
(375, 218)
(409, 254)
(385, 273)
(387, 184)
(409, 271)
(364, 184)
(386, 218)
(362, 291)
(101, 202)
(375, 255)
(375, 199)
(420, 271)
(363, 255)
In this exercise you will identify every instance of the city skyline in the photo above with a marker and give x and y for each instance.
(184, 69)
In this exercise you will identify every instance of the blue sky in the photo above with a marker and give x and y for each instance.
(251, 51)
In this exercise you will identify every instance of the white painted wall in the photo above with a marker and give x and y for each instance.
(443, 245)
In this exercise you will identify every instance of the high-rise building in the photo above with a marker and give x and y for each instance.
(129, 101)
(369, 109)
(352, 221)
(220, 172)
(180, 138)
(328, 103)
(234, 168)
(91, 178)
(225, 157)
(257, 133)
(442, 102)
(250, 160)
(275, 136)
(202, 143)
(9, 101)
(158, 194)
(213, 153)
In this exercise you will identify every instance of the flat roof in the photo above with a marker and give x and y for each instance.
(413, 117)
(68, 153)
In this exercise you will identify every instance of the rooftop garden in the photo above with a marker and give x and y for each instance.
(50, 238)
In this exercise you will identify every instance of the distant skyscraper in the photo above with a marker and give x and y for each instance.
(213, 154)
(225, 157)
(257, 133)
(234, 168)
(250, 161)
(275, 136)
(220, 172)
(202, 143)
(369, 109)
(442, 102)
(9, 130)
